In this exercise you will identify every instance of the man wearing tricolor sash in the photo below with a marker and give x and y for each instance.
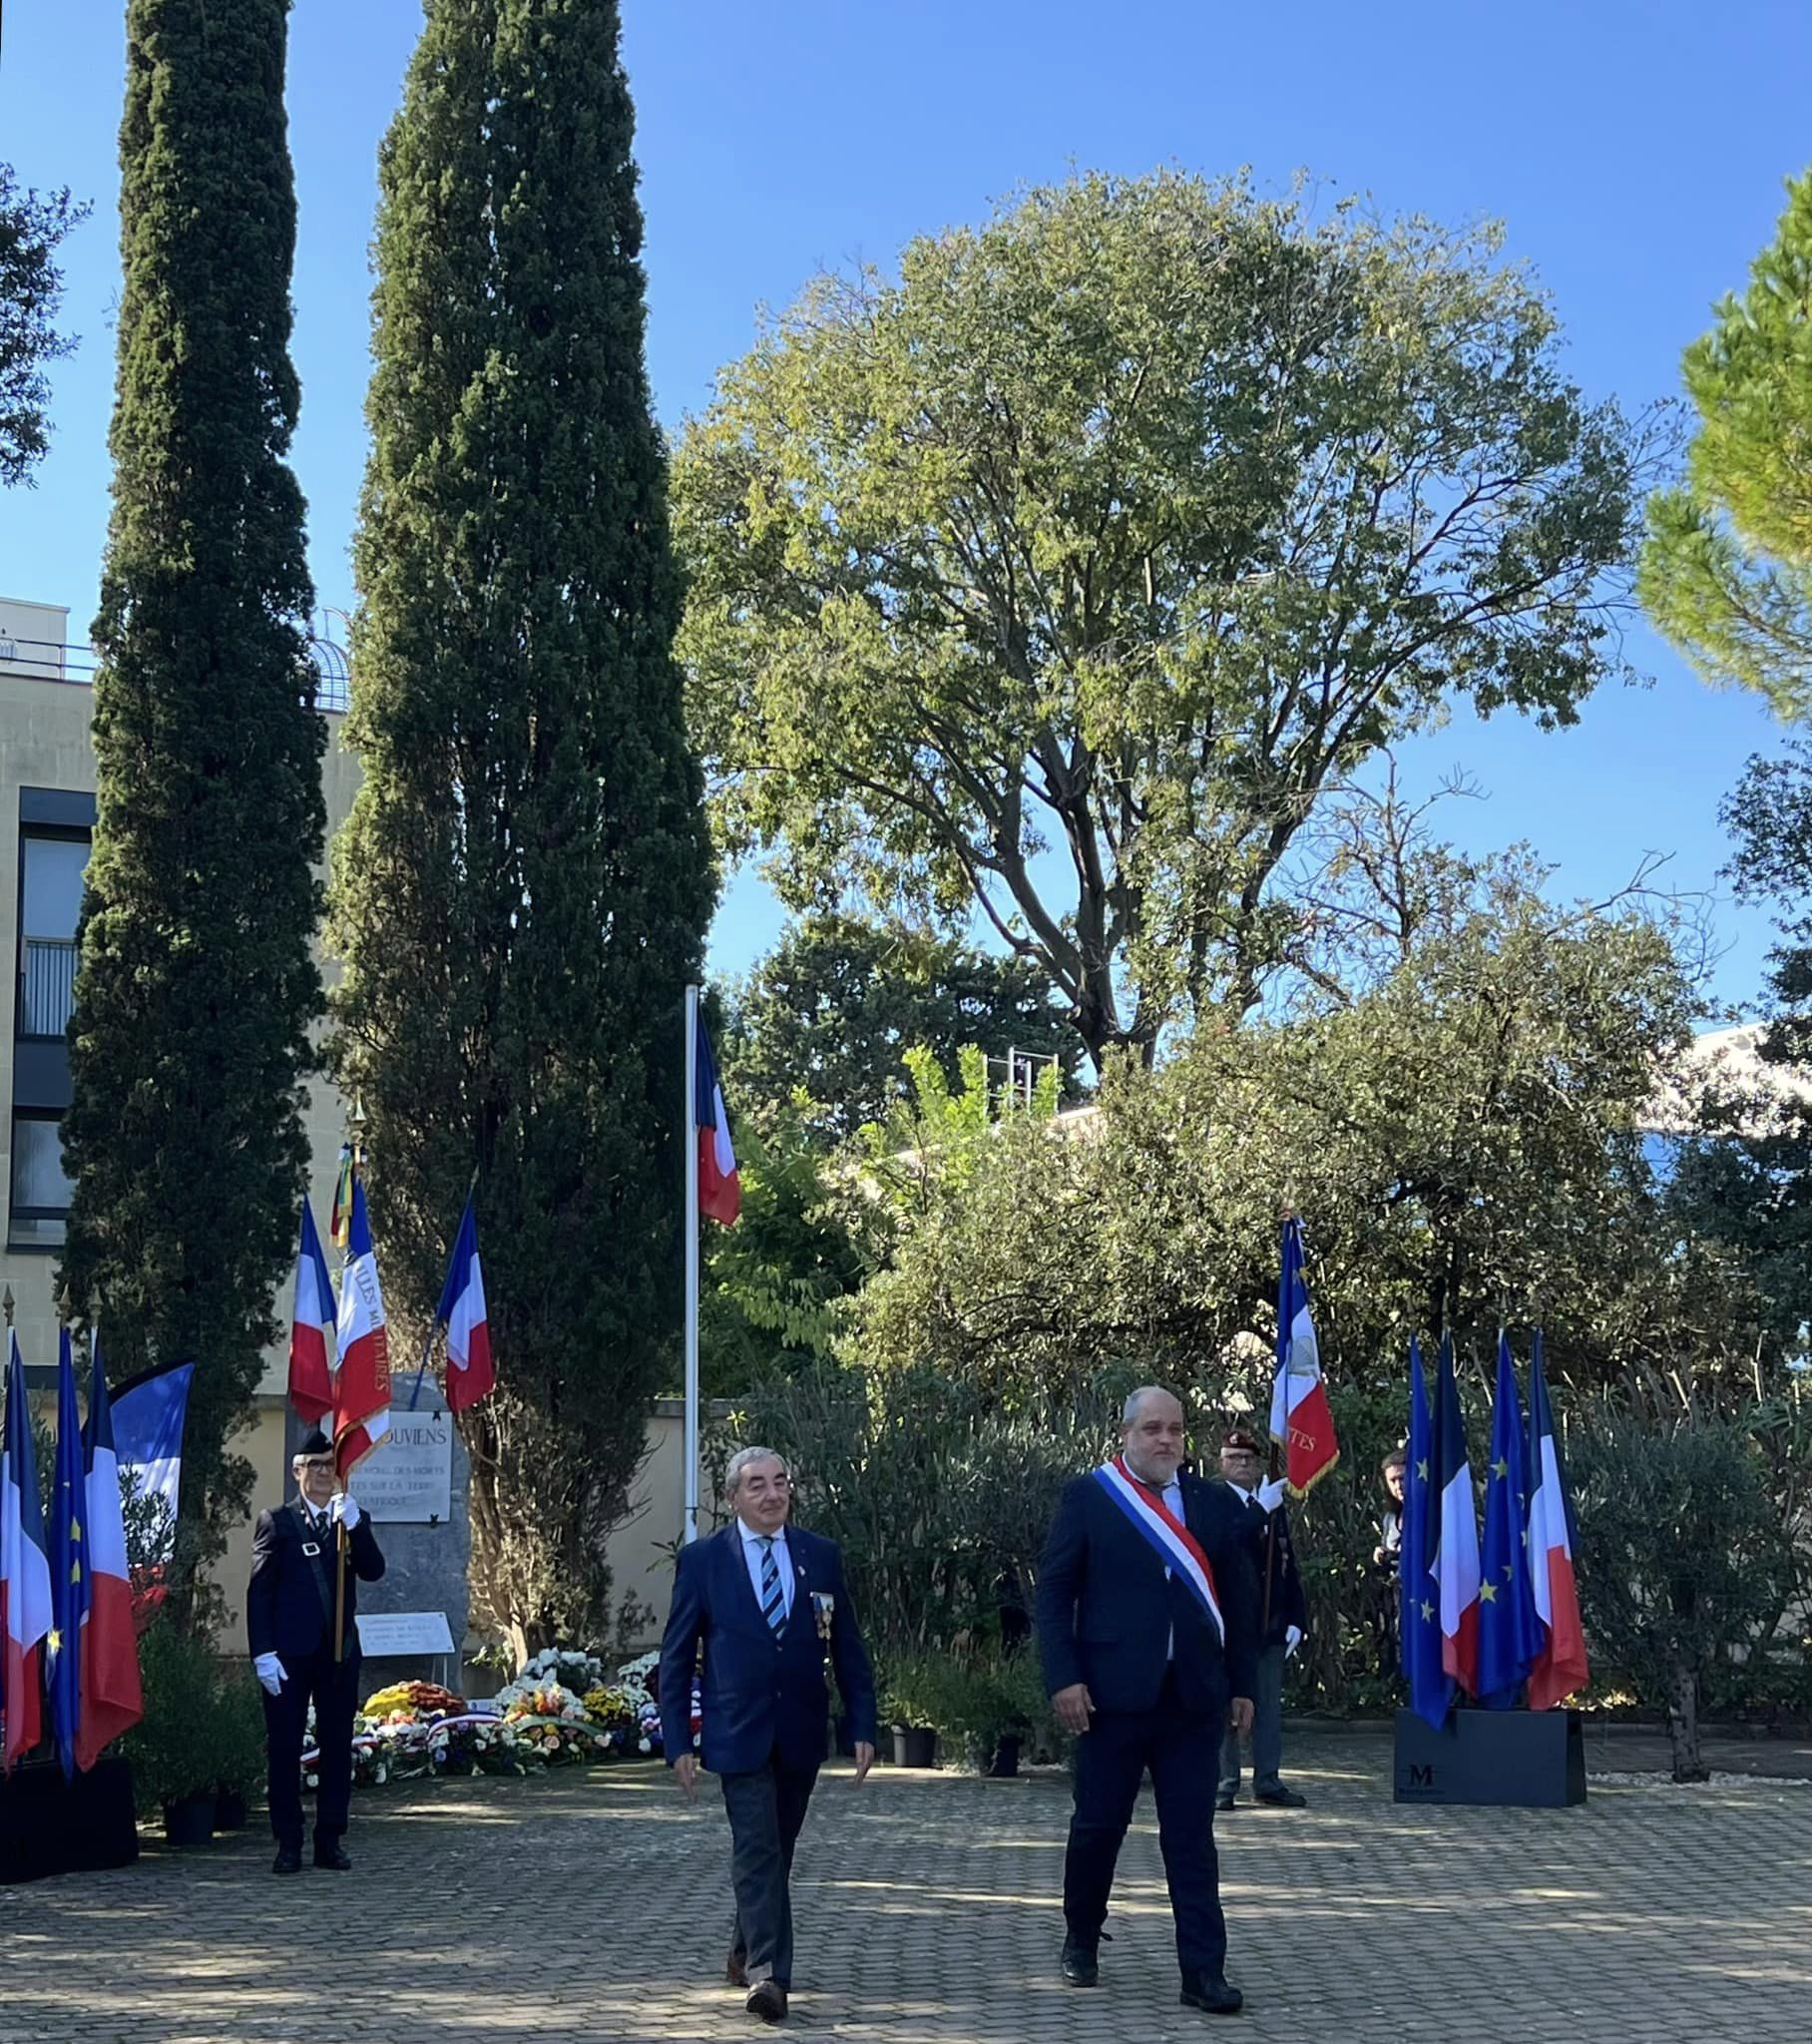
(1147, 1627)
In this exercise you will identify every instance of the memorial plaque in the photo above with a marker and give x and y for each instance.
(408, 1480)
(403, 1635)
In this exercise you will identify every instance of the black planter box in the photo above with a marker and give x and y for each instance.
(52, 1825)
(1525, 1759)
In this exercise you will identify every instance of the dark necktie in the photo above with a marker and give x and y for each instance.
(773, 1602)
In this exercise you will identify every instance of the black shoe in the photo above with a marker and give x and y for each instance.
(1224, 1802)
(288, 1860)
(1282, 1799)
(768, 2001)
(1081, 1966)
(1210, 1991)
(736, 1969)
(334, 1856)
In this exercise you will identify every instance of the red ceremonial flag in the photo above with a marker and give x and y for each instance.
(25, 1603)
(311, 1380)
(1560, 1665)
(113, 1698)
(1300, 1417)
(361, 1392)
(1456, 1513)
(719, 1188)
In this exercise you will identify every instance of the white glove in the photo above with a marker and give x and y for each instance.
(270, 1671)
(343, 1510)
(1292, 1639)
(1270, 1495)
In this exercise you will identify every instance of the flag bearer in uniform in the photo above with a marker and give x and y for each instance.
(1147, 1627)
(289, 1623)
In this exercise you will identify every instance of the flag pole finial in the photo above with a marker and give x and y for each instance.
(6, 1305)
(65, 1307)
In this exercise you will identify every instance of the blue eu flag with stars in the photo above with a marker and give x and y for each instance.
(68, 1566)
(1430, 1687)
(1509, 1634)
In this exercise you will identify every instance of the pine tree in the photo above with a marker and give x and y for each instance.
(190, 1043)
(1726, 570)
(521, 891)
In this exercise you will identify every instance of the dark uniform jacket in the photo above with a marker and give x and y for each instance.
(289, 1602)
(1108, 1615)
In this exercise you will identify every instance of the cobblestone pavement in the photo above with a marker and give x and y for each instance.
(594, 1905)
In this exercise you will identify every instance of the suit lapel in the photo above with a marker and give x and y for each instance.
(736, 1557)
(317, 1564)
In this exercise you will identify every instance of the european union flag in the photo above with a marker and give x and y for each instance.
(68, 1565)
(1509, 1634)
(1430, 1687)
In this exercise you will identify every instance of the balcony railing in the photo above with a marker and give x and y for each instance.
(47, 986)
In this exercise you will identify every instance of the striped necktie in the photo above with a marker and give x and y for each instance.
(773, 1602)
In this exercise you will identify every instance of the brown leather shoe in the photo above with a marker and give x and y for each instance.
(736, 1969)
(768, 2001)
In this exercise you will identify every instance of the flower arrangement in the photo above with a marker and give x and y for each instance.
(407, 1701)
(542, 1719)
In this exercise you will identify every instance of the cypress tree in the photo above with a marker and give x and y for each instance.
(189, 1043)
(521, 892)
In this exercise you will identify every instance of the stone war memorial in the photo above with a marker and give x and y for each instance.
(885, 1154)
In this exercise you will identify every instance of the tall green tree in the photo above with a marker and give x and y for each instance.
(834, 1007)
(196, 989)
(1727, 569)
(521, 892)
(33, 226)
(1058, 577)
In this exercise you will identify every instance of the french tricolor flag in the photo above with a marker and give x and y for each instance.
(719, 1188)
(113, 1698)
(311, 1380)
(1455, 1513)
(1300, 1419)
(25, 1606)
(361, 1401)
(461, 1311)
(1560, 1665)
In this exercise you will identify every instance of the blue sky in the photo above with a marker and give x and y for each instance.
(1635, 149)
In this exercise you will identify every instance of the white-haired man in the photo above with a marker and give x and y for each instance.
(1148, 1628)
(762, 1605)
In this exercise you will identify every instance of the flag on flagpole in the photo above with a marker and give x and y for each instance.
(68, 1566)
(1300, 1419)
(1456, 1532)
(311, 1380)
(1560, 1665)
(361, 1398)
(112, 1697)
(341, 1220)
(1509, 1634)
(148, 1413)
(719, 1188)
(470, 1374)
(25, 1601)
(1430, 1687)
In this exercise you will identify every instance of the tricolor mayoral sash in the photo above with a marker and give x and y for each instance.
(1176, 1547)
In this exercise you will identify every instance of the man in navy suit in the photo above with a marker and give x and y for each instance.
(1149, 1633)
(290, 1625)
(761, 1604)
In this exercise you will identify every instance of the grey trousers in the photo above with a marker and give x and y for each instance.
(1267, 1731)
(766, 1812)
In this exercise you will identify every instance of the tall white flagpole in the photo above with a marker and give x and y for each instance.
(689, 1124)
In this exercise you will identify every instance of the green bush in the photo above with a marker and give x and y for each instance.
(1687, 1561)
(973, 1699)
(174, 1748)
